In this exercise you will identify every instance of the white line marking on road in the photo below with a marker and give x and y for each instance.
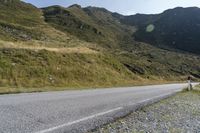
(80, 120)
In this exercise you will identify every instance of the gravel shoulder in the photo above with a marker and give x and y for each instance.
(177, 114)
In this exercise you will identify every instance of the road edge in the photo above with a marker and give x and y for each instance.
(91, 123)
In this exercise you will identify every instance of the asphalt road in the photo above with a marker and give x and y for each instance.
(73, 111)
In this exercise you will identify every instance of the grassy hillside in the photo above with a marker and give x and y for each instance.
(12, 10)
(91, 24)
(151, 62)
(23, 69)
(25, 23)
(56, 47)
(27, 68)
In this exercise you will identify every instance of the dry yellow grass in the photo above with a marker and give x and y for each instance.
(78, 49)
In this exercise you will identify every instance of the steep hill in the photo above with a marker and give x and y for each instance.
(35, 54)
(176, 29)
(117, 34)
(24, 22)
(91, 24)
(83, 47)
(16, 22)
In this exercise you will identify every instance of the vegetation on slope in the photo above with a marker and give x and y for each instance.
(79, 47)
(176, 29)
(28, 68)
(25, 23)
(151, 62)
(90, 24)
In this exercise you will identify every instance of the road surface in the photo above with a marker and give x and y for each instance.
(73, 111)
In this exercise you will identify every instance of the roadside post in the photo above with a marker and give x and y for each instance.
(189, 83)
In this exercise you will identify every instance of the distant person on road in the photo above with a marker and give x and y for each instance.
(189, 83)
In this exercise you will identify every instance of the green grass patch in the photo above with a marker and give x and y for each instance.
(27, 68)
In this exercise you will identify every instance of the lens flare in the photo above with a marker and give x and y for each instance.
(150, 28)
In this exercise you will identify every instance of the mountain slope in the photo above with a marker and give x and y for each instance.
(12, 10)
(90, 24)
(81, 47)
(176, 29)
(16, 22)
(24, 22)
(117, 31)
(35, 54)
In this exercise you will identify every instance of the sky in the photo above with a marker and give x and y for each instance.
(125, 7)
